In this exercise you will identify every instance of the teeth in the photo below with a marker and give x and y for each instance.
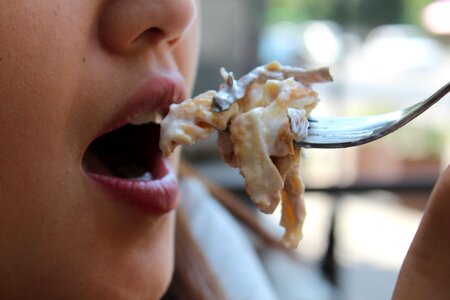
(151, 116)
(145, 176)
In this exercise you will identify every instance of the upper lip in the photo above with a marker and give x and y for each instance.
(158, 92)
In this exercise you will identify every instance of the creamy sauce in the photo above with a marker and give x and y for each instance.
(234, 90)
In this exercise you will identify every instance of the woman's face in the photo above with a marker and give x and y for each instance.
(85, 214)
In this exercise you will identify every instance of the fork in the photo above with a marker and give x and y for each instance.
(343, 132)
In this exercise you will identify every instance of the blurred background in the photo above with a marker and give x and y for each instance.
(364, 204)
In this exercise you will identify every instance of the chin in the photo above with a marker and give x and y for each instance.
(130, 264)
(144, 271)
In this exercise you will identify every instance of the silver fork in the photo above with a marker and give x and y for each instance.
(345, 132)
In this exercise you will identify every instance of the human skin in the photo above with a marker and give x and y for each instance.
(425, 273)
(65, 67)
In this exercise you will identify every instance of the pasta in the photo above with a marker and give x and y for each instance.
(258, 118)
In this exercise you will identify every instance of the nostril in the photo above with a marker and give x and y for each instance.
(153, 34)
(156, 35)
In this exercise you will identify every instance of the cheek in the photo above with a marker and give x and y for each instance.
(36, 95)
(187, 50)
(37, 50)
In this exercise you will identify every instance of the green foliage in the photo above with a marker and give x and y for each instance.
(370, 13)
(355, 13)
(413, 10)
(295, 10)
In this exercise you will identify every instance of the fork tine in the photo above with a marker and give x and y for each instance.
(350, 123)
(347, 132)
(340, 139)
(333, 141)
(339, 134)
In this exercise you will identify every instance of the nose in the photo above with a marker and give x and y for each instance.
(127, 24)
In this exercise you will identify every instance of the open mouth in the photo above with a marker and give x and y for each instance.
(129, 152)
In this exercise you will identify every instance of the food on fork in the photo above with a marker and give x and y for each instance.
(258, 117)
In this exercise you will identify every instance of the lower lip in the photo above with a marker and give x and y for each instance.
(154, 197)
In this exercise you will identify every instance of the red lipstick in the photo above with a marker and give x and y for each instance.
(156, 195)
(157, 93)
